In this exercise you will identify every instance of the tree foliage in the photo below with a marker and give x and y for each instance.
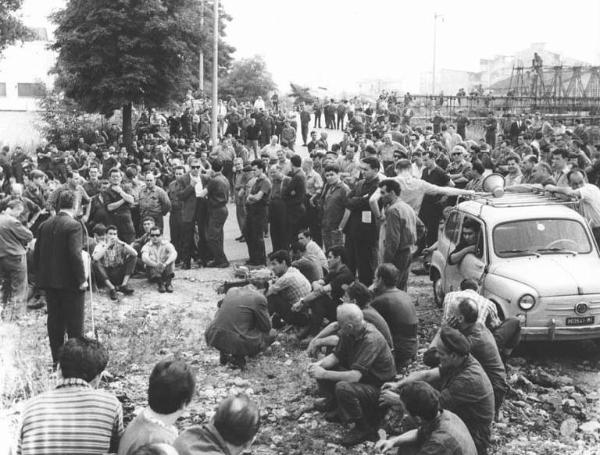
(247, 79)
(11, 27)
(112, 53)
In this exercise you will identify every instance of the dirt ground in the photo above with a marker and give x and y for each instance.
(553, 406)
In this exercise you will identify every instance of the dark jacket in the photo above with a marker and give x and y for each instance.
(188, 199)
(57, 254)
(294, 194)
(201, 440)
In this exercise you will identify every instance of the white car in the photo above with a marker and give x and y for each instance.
(535, 258)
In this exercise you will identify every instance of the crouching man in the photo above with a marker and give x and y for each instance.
(113, 263)
(350, 378)
(231, 431)
(241, 327)
(159, 255)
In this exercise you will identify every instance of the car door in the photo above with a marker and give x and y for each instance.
(472, 265)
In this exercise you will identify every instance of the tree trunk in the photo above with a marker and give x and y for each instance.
(128, 126)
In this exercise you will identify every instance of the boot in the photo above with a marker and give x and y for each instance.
(161, 286)
(360, 433)
(168, 286)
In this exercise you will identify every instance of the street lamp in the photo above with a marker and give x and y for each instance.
(435, 18)
(215, 81)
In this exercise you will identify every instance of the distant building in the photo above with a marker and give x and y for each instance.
(492, 70)
(373, 87)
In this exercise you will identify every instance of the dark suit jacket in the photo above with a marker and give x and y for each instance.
(515, 130)
(188, 199)
(57, 254)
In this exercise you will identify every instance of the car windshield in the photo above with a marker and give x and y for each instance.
(542, 236)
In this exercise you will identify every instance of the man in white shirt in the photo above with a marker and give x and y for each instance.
(589, 195)
(159, 255)
(412, 190)
(313, 251)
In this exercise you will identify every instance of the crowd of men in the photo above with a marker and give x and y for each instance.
(346, 220)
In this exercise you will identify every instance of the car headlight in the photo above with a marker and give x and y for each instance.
(526, 302)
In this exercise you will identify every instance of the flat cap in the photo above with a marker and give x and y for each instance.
(455, 341)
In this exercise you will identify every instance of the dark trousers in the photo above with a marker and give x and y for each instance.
(278, 306)
(202, 252)
(321, 308)
(317, 119)
(431, 214)
(295, 218)
(490, 138)
(66, 310)
(312, 220)
(507, 336)
(355, 401)
(114, 274)
(278, 223)
(155, 276)
(255, 219)
(402, 260)
(340, 121)
(176, 229)
(187, 241)
(240, 213)
(362, 254)
(214, 233)
(304, 128)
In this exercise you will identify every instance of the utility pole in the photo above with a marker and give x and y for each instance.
(215, 80)
(201, 66)
(435, 18)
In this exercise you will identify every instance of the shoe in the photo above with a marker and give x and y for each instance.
(324, 405)
(161, 287)
(224, 358)
(113, 294)
(186, 266)
(360, 433)
(37, 304)
(126, 290)
(333, 416)
(237, 361)
(218, 265)
(168, 287)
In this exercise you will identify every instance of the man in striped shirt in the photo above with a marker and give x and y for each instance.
(74, 418)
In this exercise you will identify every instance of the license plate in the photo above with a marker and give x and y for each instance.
(586, 320)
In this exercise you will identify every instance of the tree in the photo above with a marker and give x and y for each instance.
(11, 28)
(247, 79)
(116, 53)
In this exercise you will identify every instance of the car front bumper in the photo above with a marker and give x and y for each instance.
(554, 333)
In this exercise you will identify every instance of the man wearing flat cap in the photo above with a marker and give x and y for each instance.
(464, 386)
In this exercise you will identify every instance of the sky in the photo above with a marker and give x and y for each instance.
(336, 43)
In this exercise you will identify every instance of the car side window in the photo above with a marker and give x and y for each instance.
(452, 226)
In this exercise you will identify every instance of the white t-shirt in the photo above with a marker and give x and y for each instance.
(590, 204)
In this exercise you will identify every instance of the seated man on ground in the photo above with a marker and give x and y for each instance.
(441, 432)
(113, 263)
(62, 420)
(398, 310)
(231, 432)
(311, 269)
(241, 327)
(170, 390)
(465, 388)
(289, 287)
(327, 293)
(350, 378)
(507, 333)
(159, 255)
(313, 250)
(360, 295)
(147, 224)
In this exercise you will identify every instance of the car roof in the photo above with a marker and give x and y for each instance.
(519, 206)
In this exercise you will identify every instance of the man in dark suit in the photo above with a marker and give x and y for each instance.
(60, 271)
(294, 195)
(517, 127)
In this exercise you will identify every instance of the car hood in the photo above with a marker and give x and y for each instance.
(554, 274)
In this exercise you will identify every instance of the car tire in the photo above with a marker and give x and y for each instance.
(438, 293)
